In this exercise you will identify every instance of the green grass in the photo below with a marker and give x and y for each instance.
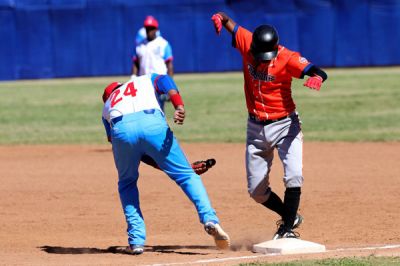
(361, 261)
(353, 105)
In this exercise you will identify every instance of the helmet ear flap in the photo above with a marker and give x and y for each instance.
(265, 43)
(109, 89)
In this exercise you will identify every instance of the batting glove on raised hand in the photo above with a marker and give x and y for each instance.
(314, 82)
(217, 19)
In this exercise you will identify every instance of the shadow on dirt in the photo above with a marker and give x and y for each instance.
(185, 250)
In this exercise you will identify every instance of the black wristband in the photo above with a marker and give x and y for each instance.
(313, 70)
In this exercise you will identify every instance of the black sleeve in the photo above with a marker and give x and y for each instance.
(314, 70)
(235, 29)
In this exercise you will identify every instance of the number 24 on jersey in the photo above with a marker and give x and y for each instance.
(129, 91)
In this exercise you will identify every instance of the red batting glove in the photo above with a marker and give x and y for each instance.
(217, 19)
(314, 82)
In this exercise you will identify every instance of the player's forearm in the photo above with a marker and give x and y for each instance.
(227, 22)
(177, 102)
(316, 71)
(170, 68)
(134, 70)
(176, 98)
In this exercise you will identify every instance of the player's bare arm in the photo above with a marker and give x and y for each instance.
(170, 68)
(135, 67)
(221, 19)
(177, 102)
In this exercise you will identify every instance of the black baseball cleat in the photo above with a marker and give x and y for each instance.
(297, 221)
(283, 232)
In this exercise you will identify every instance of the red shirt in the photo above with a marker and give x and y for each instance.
(268, 86)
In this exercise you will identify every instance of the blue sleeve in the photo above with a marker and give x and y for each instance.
(163, 83)
(140, 35)
(167, 52)
(106, 127)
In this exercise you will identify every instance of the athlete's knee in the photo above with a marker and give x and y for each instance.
(293, 181)
(260, 195)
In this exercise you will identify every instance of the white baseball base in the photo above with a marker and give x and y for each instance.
(288, 246)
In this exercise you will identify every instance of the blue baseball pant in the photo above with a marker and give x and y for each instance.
(147, 132)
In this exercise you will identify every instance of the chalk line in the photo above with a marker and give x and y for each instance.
(205, 261)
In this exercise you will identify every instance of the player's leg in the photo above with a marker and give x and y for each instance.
(165, 150)
(178, 169)
(127, 158)
(162, 146)
(173, 162)
(259, 157)
(290, 150)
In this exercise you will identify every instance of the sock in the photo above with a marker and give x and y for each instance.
(274, 203)
(291, 205)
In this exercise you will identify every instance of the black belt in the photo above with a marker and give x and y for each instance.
(265, 121)
(119, 118)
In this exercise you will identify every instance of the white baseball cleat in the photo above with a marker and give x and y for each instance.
(135, 249)
(221, 238)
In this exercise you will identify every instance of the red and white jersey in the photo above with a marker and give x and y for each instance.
(268, 86)
(134, 96)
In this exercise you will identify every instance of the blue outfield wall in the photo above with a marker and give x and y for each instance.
(69, 38)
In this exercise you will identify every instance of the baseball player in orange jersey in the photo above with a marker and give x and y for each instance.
(268, 69)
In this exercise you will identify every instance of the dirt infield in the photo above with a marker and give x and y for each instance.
(60, 206)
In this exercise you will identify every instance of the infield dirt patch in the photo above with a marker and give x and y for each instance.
(60, 205)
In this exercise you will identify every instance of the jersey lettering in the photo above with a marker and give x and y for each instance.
(129, 91)
(259, 75)
(136, 95)
(114, 96)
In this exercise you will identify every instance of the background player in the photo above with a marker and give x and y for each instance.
(153, 54)
(136, 127)
(141, 35)
(273, 122)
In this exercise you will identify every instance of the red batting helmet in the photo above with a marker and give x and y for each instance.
(109, 89)
(150, 21)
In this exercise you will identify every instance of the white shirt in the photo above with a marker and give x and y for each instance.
(153, 55)
(136, 95)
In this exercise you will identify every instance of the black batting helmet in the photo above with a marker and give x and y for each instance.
(264, 44)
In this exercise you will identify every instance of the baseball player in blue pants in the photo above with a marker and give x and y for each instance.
(136, 127)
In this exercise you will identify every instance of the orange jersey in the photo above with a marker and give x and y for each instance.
(268, 86)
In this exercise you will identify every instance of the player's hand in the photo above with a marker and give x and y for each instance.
(314, 82)
(179, 115)
(217, 20)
